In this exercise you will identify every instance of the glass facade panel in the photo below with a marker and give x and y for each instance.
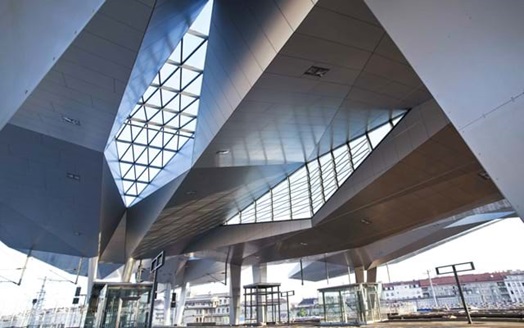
(306, 190)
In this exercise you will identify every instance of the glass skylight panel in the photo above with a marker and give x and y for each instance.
(165, 117)
(306, 190)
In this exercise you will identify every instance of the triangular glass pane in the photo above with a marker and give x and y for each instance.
(191, 126)
(125, 133)
(140, 114)
(195, 87)
(149, 91)
(376, 135)
(190, 43)
(173, 143)
(198, 59)
(182, 141)
(184, 120)
(141, 173)
(125, 168)
(128, 156)
(186, 101)
(166, 71)
(121, 148)
(130, 174)
(153, 171)
(176, 55)
(168, 117)
(155, 100)
(167, 97)
(150, 112)
(135, 130)
(141, 138)
(138, 150)
(174, 81)
(157, 140)
(192, 109)
(174, 104)
(129, 200)
(152, 153)
(126, 185)
(157, 161)
(157, 119)
(168, 137)
(396, 120)
(140, 186)
(187, 77)
(142, 159)
(167, 156)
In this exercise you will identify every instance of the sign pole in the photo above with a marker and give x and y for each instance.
(459, 267)
(462, 295)
(156, 264)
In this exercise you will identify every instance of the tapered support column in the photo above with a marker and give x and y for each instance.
(259, 273)
(181, 304)
(128, 270)
(234, 293)
(92, 270)
(167, 304)
(359, 275)
(259, 276)
(372, 275)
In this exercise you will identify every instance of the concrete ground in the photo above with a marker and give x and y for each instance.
(447, 324)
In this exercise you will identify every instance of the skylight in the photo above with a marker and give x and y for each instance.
(165, 117)
(306, 190)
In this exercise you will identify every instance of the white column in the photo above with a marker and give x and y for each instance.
(259, 272)
(128, 270)
(167, 304)
(260, 276)
(92, 275)
(359, 275)
(234, 293)
(372, 275)
(181, 304)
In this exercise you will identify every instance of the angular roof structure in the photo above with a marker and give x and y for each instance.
(242, 132)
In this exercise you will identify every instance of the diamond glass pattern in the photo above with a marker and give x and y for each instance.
(165, 117)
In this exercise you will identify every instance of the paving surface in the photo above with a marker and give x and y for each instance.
(447, 324)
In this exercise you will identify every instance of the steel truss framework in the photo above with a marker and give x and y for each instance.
(305, 191)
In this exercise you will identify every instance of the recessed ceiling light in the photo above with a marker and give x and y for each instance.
(223, 152)
(484, 175)
(70, 120)
(365, 221)
(73, 176)
(316, 71)
(303, 244)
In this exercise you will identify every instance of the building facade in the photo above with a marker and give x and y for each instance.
(485, 290)
(210, 308)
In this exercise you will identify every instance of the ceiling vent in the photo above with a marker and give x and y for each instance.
(73, 176)
(70, 120)
(316, 71)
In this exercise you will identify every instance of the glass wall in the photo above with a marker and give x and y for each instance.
(119, 305)
(355, 304)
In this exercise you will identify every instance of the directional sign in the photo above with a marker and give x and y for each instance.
(157, 262)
